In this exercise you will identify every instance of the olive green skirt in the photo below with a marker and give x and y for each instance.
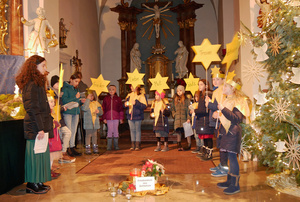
(37, 166)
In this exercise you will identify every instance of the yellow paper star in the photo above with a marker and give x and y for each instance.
(135, 78)
(230, 75)
(99, 85)
(215, 70)
(159, 83)
(206, 53)
(192, 84)
(232, 51)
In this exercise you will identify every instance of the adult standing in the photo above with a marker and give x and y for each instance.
(38, 121)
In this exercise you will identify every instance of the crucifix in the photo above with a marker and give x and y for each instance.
(77, 62)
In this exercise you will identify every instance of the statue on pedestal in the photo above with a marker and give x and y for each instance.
(181, 60)
(135, 58)
(63, 31)
(42, 31)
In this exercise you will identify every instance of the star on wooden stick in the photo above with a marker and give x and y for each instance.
(99, 85)
(191, 84)
(232, 51)
(159, 83)
(206, 53)
(135, 78)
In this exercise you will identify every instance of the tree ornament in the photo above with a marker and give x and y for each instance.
(293, 151)
(280, 146)
(243, 38)
(261, 53)
(260, 98)
(275, 85)
(253, 71)
(280, 109)
(297, 20)
(295, 3)
(296, 78)
(275, 45)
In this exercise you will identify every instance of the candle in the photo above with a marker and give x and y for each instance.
(135, 173)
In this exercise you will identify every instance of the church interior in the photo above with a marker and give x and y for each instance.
(111, 38)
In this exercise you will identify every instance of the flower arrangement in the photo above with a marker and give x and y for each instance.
(152, 168)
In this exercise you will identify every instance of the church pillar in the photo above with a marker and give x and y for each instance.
(16, 28)
(191, 23)
(123, 26)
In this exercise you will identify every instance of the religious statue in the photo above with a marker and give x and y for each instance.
(77, 62)
(62, 34)
(42, 30)
(181, 60)
(265, 9)
(156, 19)
(135, 58)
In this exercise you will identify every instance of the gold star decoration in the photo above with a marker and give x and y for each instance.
(159, 83)
(280, 110)
(99, 85)
(275, 45)
(191, 84)
(230, 75)
(135, 78)
(206, 53)
(232, 51)
(293, 151)
(215, 70)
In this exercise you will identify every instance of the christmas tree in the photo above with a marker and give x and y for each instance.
(274, 133)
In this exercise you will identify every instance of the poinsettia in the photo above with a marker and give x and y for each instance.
(152, 168)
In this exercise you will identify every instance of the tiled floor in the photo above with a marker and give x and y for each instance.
(184, 187)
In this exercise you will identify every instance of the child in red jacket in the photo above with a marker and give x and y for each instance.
(112, 114)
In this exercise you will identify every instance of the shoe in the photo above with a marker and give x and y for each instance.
(43, 186)
(166, 148)
(214, 169)
(202, 151)
(196, 150)
(70, 153)
(187, 148)
(88, 149)
(95, 149)
(116, 143)
(208, 155)
(138, 146)
(75, 152)
(158, 147)
(35, 189)
(132, 146)
(66, 158)
(54, 175)
(179, 147)
(109, 144)
(220, 173)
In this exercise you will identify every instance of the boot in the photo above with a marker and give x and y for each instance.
(88, 149)
(95, 149)
(202, 152)
(116, 143)
(234, 186)
(166, 148)
(132, 146)
(109, 143)
(34, 188)
(224, 185)
(208, 154)
(70, 153)
(158, 147)
(138, 146)
(179, 146)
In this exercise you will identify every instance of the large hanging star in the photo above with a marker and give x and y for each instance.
(99, 85)
(191, 84)
(159, 83)
(206, 53)
(230, 75)
(135, 78)
(232, 51)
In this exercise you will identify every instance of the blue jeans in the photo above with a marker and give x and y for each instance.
(199, 142)
(135, 130)
(72, 123)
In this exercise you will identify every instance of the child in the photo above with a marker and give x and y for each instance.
(135, 105)
(233, 109)
(218, 80)
(91, 111)
(112, 113)
(54, 143)
(180, 112)
(71, 115)
(199, 142)
(64, 131)
(160, 112)
(203, 129)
